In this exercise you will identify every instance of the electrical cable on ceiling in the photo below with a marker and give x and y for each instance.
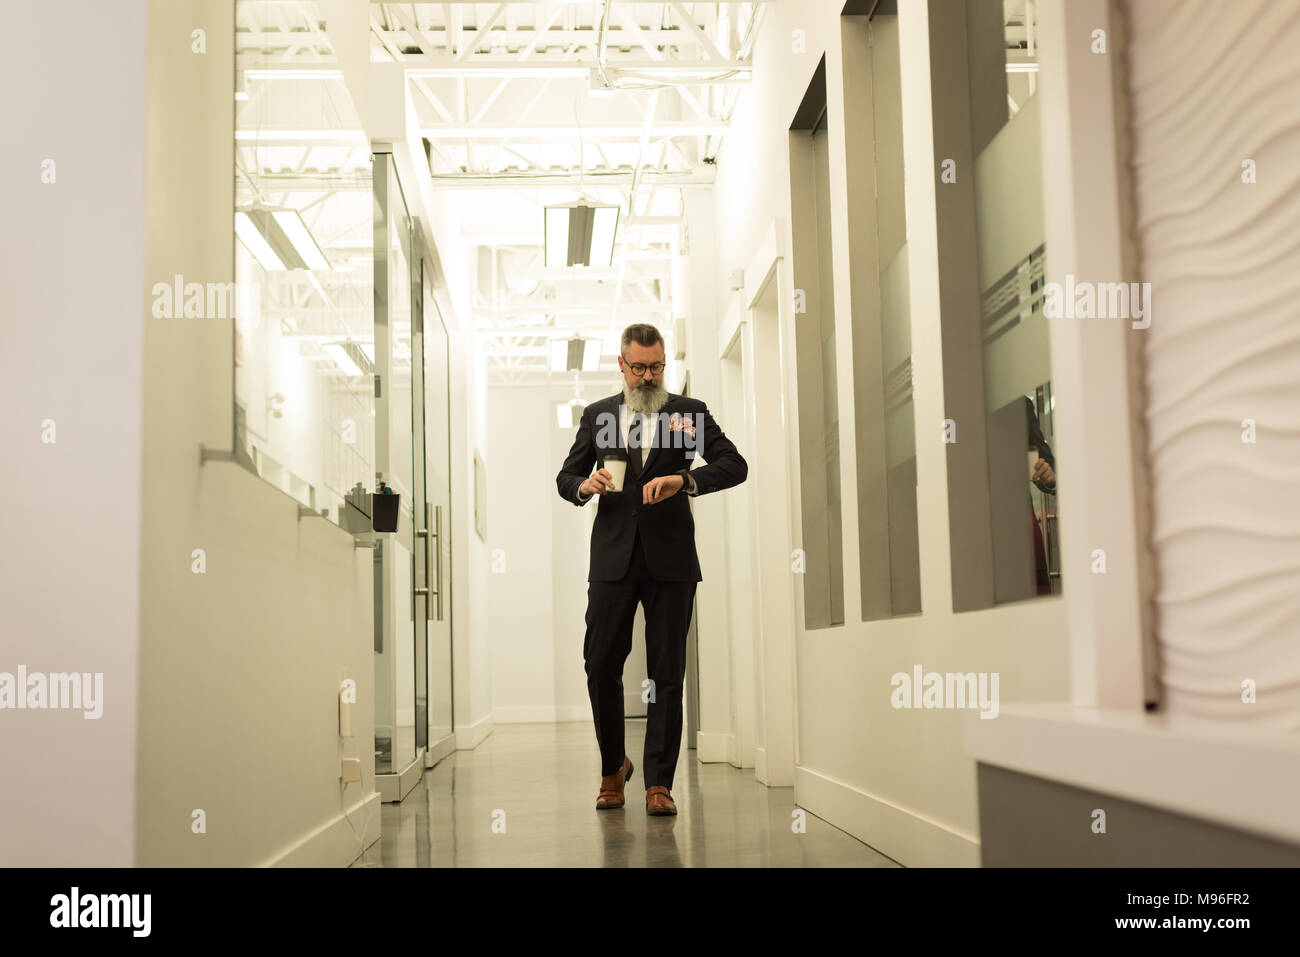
(649, 81)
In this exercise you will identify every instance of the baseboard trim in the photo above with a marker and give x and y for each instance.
(905, 836)
(715, 747)
(470, 736)
(334, 844)
(396, 785)
(440, 749)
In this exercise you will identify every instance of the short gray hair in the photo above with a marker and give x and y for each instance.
(642, 333)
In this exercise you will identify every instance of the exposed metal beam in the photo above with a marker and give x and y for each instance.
(564, 132)
(570, 180)
(581, 67)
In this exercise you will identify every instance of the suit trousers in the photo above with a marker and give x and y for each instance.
(611, 608)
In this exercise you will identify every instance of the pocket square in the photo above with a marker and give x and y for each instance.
(679, 423)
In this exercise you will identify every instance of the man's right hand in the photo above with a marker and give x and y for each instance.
(599, 483)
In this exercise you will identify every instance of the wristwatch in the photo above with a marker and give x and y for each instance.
(686, 480)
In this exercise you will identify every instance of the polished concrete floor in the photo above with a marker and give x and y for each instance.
(526, 797)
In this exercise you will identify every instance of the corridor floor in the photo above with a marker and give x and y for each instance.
(525, 797)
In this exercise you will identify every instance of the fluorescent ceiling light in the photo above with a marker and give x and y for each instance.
(602, 235)
(567, 414)
(557, 236)
(575, 354)
(580, 235)
(559, 354)
(291, 222)
(340, 355)
(255, 243)
(279, 238)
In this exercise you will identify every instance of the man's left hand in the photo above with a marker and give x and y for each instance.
(1043, 476)
(664, 487)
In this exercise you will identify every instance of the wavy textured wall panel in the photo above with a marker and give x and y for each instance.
(1213, 84)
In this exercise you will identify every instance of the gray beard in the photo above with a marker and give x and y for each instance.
(640, 399)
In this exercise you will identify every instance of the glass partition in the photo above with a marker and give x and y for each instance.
(888, 541)
(304, 338)
(437, 364)
(329, 357)
(1002, 500)
(816, 375)
(401, 642)
(1006, 128)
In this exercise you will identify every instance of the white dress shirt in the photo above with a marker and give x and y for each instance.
(649, 431)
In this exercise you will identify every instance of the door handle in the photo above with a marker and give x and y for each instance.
(432, 533)
(437, 514)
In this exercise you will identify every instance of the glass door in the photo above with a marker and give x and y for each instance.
(437, 477)
(399, 635)
(423, 593)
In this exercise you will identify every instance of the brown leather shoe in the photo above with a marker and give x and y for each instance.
(611, 786)
(658, 800)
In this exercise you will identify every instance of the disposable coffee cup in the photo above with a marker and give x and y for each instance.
(616, 464)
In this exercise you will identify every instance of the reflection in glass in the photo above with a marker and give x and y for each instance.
(819, 430)
(438, 478)
(1006, 138)
(830, 400)
(304, 337)
(395, 655)
(1042, 477)
(895, 318)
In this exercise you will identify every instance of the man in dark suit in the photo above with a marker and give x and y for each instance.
(643, 549)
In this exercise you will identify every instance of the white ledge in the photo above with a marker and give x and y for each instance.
(1245, 780)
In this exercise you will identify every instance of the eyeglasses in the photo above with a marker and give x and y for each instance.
(638, 368)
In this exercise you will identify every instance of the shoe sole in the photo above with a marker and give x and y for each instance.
(611, 807)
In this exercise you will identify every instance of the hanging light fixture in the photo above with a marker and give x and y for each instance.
(575, 354)
(579, 234)
(278, 238)
(569, 413)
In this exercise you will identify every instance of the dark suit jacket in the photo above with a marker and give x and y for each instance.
(667, 527)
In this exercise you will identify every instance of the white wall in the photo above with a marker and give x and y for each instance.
(521, 485)
(71, 321)
(240, 666)
(898, 779)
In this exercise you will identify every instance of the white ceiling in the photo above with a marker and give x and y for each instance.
(502, 96)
